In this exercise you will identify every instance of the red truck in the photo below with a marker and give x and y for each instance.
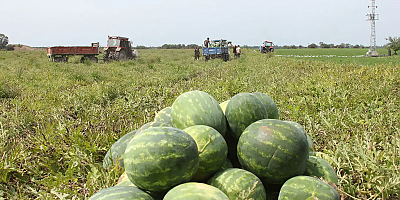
(61, 54)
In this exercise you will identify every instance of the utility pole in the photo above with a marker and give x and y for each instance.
(372, 17)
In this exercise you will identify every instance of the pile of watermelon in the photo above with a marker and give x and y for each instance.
(236, 150)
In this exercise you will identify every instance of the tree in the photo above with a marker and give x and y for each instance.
(394, 44)
(313, 46)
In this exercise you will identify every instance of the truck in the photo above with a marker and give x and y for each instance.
(216, 49)
(62, 53)
(267, 47)
(119, 49)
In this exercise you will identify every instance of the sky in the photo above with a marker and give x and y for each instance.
(43, 23)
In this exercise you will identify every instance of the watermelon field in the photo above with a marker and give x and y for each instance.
(59, 120)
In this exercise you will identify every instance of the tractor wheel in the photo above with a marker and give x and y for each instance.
(272, 50)
(105, 56)
(121, 56)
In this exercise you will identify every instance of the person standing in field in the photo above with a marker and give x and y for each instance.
(234, 50)
(206, 42)
(238, 51)
(196, 53)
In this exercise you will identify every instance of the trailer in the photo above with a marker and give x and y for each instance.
(216, 49)
(61, 53)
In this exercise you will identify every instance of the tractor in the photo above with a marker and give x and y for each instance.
(267, 47)
(119, 49)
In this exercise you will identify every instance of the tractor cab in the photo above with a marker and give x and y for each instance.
(119, 48)
(267, 47)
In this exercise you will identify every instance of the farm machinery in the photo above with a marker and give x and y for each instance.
(216, 49)
(267, 47)
(118, 48)
(3, 41)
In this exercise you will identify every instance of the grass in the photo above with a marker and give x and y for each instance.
(57, 120)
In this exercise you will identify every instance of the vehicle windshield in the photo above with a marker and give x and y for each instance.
(267, 43)
(113, 43)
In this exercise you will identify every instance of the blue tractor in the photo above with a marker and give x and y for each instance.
(216, 49)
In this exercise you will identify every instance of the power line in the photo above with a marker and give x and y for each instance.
(372, 17)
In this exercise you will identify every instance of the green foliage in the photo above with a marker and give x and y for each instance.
(394, 44)
(57, 120)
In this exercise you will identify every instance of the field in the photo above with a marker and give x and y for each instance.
(57, 120)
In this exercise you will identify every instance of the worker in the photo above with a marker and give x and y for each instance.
(238, 51)
(234, 49)
(196, 53)
(206, 42)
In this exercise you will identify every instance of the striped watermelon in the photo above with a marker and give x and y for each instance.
(239, 184)
(300, 127)
(226, 165)
(195, 191)
(322, 169)
(121, 193)
(273, 150)
(164, 116)
(159, 158)
(115, 153)
(270, 106)
(242, 110)
(151, 125)
(124, 180)
(212, 150)
(198, 108)
(305, 187)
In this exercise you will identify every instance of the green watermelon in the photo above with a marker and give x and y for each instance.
(159, 158)
(212, 150)
(242, 110)
(239, 184)
(223, 105)
(195, 191)
(164, 116)
(121, 193)
(151, 125)
(273, 150)
(321, 168)
(115, 153)
(198, 108)
(124, 180)
(300, 127)
(305, 187)
(270, 106)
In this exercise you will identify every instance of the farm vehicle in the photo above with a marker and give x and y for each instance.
(267, 47)
(216, 49)
(61, 54)
(118, 48)
(3, 41)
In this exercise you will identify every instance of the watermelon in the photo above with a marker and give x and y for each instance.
(212, 150)
(151, 125)
(195, 191)
(159, 158)
(239, 184)
(300, 127)
(198, 108)
(164, 116)
(305, 187)
(223, 105)
(320, 168)
(121, 193)
(273, 150)
(269, 104)
(242, 110)
(115, 153)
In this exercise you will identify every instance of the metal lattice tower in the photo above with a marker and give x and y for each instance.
(373, 17)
